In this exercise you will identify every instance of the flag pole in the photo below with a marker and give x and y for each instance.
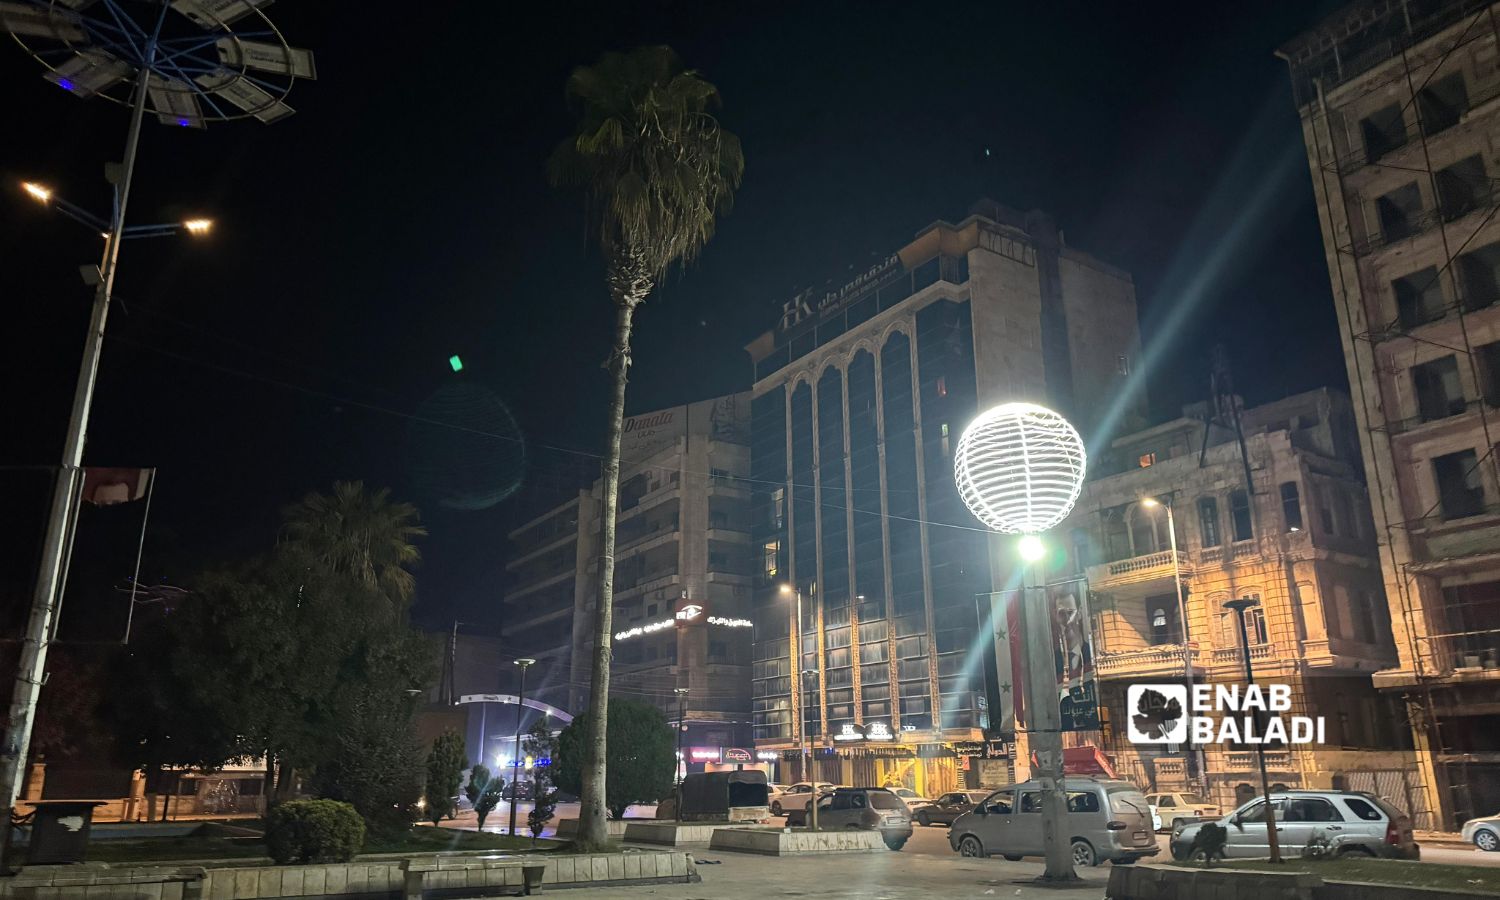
(140, 550)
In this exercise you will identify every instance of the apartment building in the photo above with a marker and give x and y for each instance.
(682, 578)
(1399, 110)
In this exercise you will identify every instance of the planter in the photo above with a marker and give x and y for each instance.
(786, 842)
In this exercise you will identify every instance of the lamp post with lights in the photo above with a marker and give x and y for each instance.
(1182, 618)
(187, 74)
(515, 763)
(1019, 468)
(804, 740)
(681, 693)
(1239, 606)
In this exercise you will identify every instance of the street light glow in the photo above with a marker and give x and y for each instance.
(37, 191)
(786, 589)
(198, 227)
(1150, 502)
(1031, 548)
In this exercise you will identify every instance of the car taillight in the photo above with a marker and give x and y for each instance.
(1392, 834)
(1117, 826)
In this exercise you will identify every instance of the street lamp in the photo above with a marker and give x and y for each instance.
(1019, 468)
(515, 764)
(130, 55)
(681, 693)
(1187, 652)
(1239, 606)
(804, 741)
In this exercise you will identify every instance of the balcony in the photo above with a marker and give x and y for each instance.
(1465, 655)
(1258, 653)
(1163, 660)
(1215, 556)
(1246, 761)
(1139, 576)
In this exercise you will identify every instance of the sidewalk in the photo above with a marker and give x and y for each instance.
(1449, 839)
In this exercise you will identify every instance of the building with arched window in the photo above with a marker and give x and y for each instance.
(861, 392)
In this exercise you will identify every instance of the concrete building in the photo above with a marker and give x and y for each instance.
(861, 392)
(1299, 538)
(1398, 111)
(682, 579)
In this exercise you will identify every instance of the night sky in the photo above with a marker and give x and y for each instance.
(403, 216)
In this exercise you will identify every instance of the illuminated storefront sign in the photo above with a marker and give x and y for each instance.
(703, 754)
(767, 755)
(736, 754)
(729, 623)
(871, 731)
(639, 630)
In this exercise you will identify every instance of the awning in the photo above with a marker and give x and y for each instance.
(1086, 761)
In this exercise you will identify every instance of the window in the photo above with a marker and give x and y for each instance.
(1255, 625)
(1383, 132)
(1362, 809)
(1291, 506)
(1479, 276)
(1489, 372)
(1163, 620)
(1366, 620)
(778, 507)
(1460, 492)
(942, 386)
(1146, 460)
(1462, 188)
(1000, 803)
(1439, 392)
(1442, 103)
(1325, 514)
(1239, 515)
(1399, 212)
(1083, 801)
(1208, 521)
(651, 610)
(1311, 809)
(1419, 297)
(945, 438)
(718, 650)
(772, 551)
(1166, 801)
(1122, 365)
(1031, 801)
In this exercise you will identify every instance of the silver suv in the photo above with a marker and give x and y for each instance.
(1354, 822)
(1107, 820)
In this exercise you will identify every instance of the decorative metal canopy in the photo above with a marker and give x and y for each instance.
(203, 60)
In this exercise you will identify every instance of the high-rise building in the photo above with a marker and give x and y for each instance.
(1283, 518)
(682, 579)
(861, 392)
(1398, 115)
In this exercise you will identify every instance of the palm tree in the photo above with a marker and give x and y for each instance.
(361, 532)
(657, 171)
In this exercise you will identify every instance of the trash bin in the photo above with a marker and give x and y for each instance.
(60, 831)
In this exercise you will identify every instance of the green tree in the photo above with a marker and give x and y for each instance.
(642, 754)
(358, 532)
(541, 746)
(657, 171)
(445, 770)
(484, 792)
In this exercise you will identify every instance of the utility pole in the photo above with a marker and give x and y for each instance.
(681, 693)
(1239, 606)
(515, 764)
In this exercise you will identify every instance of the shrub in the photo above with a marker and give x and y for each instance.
(308, 831)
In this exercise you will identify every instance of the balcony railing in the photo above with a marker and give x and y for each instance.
(1212, 556)
(1245, 761)
(1163, 657)
(1258, 653)
(1455, 410)
(1465, 651)
(1144, 563)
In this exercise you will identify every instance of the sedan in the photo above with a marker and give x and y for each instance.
(911, 798)
(948, 807)
(796, 797)
(1170, 809)
(1483, 833)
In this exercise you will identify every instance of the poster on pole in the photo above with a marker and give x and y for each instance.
(1073, 654)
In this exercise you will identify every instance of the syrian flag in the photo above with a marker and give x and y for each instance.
(110, 487)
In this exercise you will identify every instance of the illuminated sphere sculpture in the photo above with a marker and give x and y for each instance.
(1019, 468)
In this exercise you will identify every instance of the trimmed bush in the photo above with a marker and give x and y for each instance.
(314, 831)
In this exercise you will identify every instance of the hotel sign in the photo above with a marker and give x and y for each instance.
(870, 731)
(806, 304)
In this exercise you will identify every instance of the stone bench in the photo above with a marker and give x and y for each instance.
(478, 875)
(64, 881)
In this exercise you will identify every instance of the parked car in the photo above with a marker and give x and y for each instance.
(1356, 822)
(1483, 833)
(948, 807)
(911, 798)
(796, 797)
(868, 808)
(1172, 807)
(1108, 821)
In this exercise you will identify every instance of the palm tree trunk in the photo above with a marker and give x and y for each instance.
(629, 283)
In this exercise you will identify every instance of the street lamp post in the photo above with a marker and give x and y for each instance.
(1182, 618)
(125, 54)
(515, 763)
(1239, 606)
(804, 740)
(1019, 468)
(681, 693)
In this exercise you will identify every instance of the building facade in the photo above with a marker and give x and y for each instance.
(860, 395)
(1297, 536)
(682, 578)
(1401, 127)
